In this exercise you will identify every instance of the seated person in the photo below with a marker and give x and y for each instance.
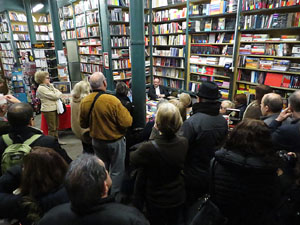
(226, 105)
(87, 183)
(39, 185)
(20, 118)
(240, 101)
(157, 91)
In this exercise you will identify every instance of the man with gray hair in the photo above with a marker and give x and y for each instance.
(271, 106)
(87, 183)
(108, 120)
(287, 137)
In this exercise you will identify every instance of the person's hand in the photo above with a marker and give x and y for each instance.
(162, 96)
(12, 99)
(284, 115)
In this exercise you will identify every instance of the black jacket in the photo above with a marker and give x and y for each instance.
(206, 131)
(246, 189)
(152, 93)
(286, 137)
(22, 134)
(164, 182)
(11, 205)
(126, 103)
(106, 212)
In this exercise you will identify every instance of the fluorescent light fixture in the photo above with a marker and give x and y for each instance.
(37, 7)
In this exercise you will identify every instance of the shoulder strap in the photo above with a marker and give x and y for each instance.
(156, 147)
(93, 104)
(32, 139)
(7, 140)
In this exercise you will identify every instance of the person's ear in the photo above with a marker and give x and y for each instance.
(105, 189)
(31, 122)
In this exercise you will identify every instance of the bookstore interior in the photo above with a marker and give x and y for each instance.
(238, 44)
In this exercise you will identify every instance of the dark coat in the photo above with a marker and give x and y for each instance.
(164, 184)
(206, 130)
(269, 119)
(246, 189)
(289, 210)
(106, 212)
(152, 93)
(126, 103)
(10, 204)
(286, 137)
(22, 134)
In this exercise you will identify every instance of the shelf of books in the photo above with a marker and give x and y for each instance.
(211, 31)
(118, 17)
(148, 49)
(21, 38)
(44, 51)
(89, 37)
(269, 47)
(169, 40)
(67, 22)
(6, 51)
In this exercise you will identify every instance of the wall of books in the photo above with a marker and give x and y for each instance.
(269, 46)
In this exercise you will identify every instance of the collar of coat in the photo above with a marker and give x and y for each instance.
(210, 108)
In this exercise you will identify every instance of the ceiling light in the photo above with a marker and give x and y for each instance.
(37, 7)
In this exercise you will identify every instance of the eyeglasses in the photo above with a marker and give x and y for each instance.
(48, 78)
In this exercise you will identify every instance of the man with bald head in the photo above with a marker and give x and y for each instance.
(287, 137)
(108, 120)
(271, 106)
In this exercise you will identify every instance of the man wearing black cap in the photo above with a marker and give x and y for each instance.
(206, 131)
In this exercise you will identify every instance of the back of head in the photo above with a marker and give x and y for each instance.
(261, 90)
(19, 114)
(250, 137)
(180, 107)
(97, 81)
(121, 89)
(240, 99)
(185, 99)
(44, 171)
(80, 90)
(84, 182)
(273, 101)
(168, 119)
(209, 92)
(294, 101)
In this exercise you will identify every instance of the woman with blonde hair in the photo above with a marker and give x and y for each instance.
(79, 91)
(48, 95)
(162, 161)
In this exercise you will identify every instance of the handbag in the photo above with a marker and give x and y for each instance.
(208, 212)
(61, 107)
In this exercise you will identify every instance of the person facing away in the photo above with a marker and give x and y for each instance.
(21, 120)
(80, 90)
(271, 106)
(287, 136)
(122, 94)
(253, 109)
(240, 101)
(245, 183)
(87, 183)
(157, 91)
(48, 95)
(162, 161)
(206, 131)
(108, 122)
(39, 182)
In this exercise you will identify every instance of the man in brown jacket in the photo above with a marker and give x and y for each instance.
(108, 120)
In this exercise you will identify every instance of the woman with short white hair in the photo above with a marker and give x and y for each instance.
(162, 161)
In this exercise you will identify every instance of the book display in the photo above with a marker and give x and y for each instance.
(148, 47)
(21, 38)
(169, 42)
(212, 39)
(6, 51)
(118, 17)
(269, 47)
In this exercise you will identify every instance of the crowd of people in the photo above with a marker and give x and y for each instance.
(159, 175)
